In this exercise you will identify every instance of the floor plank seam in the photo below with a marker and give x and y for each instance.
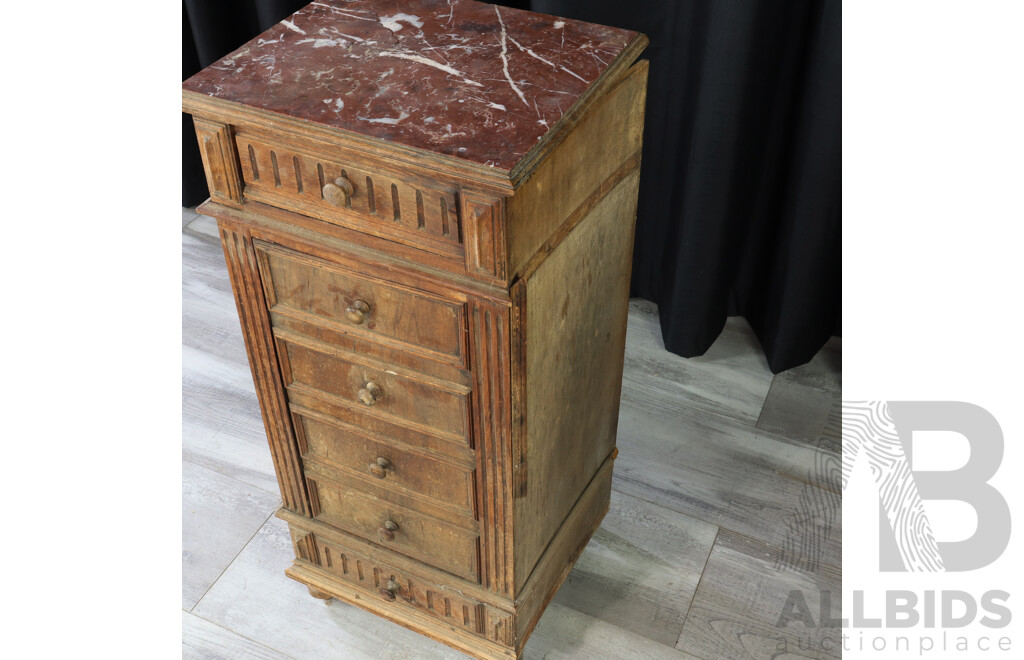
(753, 540)
(667, 508)
(720, 527)
(230, 563)
(792, 442)
(213, 467)
(235, 632)
(697, 589)
(760, 414)
(709, 409)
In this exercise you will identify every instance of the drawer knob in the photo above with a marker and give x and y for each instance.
(369, 394)
(388, 529)
(379, 467)
(390, 590)
(358, 311)
(339, 192)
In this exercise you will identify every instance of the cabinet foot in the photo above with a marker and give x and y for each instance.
(316, 593)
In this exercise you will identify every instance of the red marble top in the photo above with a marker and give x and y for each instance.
(466, 79)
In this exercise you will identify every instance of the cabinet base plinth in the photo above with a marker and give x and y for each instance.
(490, 626)
(434, 629)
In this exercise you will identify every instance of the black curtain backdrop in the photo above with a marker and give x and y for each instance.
(211, 30)
(740, 198)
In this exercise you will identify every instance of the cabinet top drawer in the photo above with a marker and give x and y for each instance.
(348, 191)
(475, 85)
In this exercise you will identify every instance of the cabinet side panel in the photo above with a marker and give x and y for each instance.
(259, 345)
(576, 305)
(563, 551)
(593, 152)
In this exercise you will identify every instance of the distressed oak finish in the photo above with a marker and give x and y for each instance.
(318, 291)
(686, 426)
(384, 463)
(430, 257)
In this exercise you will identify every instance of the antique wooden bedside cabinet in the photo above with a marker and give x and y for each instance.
(427, 211)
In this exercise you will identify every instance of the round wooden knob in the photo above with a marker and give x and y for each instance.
(388, 529)
(369, 394)
(390, 590)
(339, 192)
(379, 467)
(358, 311)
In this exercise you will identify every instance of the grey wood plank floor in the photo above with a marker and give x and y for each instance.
(723, 502)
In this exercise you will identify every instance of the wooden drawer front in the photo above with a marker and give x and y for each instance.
(372, 576)
(414, 213)
(439, 544)
(344, 446)
(399, 399)
(317, 291)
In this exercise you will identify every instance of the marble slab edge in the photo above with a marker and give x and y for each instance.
(611, 76)
(492, 178)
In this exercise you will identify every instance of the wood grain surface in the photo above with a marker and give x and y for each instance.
(691, 561)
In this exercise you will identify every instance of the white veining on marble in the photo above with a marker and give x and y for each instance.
(453, 66)
(339, 39)
(393, 22)
(448, 131)
(343, 13)
(433, 49)
(589, 50)
(532, 54)
(504, 58)
(574, 75)
(320, 74)
(430, 62)
(292, 26)
(320, 43)
(386, 120)
(355, 38)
